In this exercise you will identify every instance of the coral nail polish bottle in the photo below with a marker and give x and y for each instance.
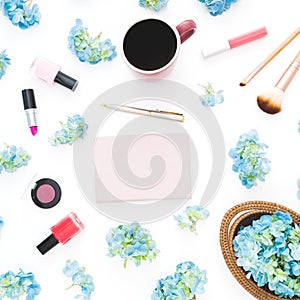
(62, 232)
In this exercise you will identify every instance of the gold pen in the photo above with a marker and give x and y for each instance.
(148, 112)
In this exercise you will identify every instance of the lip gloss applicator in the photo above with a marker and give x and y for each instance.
(220, 46)
(62, 232)
(30, 110)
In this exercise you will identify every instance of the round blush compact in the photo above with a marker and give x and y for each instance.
(46, 193)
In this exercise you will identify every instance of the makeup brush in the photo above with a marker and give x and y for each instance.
(270, 57)
(270, 101)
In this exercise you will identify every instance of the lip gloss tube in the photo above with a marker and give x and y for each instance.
(220, 46)
(51, 73)
(30, 110)
(62, 232)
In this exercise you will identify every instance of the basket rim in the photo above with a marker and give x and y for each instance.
(230, 222)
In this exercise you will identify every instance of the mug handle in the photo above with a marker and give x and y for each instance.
(186, 29)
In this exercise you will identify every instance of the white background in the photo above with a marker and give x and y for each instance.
(26, 225)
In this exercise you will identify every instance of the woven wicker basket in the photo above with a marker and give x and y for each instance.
(242, 215)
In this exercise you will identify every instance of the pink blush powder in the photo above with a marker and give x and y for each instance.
(45, 193)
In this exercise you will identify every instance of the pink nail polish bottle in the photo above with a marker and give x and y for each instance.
(51, 72)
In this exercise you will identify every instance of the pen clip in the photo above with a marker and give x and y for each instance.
(166, 112)
(156, 111)
(149, 110)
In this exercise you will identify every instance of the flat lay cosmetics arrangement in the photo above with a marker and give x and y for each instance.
(163, 176)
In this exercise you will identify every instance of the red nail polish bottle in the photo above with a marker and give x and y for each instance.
(62, 232)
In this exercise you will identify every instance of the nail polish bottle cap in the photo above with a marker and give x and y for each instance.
(47, 244)
(66, 81)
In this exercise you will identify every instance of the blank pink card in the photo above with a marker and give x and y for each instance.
(146, 167)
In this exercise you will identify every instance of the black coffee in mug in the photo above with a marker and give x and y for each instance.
(150, 44)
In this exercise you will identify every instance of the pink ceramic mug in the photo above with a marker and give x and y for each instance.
(151, 45)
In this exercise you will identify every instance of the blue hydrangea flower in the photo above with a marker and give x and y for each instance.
(13, 158)
(154, 4)
(190, 217)
(74, 129)
(295, 251)
(269, 252)
(20, 12)
(4, 61)
(79, 278)
(71, 268)
(249, 159)
(192, 276)
(131, 242)
(217, 7)
(211, 97)
(187, 282)
(167, 287)
(89, 49)
(14, 286)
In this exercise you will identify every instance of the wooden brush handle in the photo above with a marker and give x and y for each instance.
(289, 74)
(297, 58)
(270, 57)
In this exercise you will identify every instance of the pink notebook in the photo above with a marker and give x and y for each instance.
(147, 167)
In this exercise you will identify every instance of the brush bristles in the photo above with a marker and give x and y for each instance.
(243, 83)
(270, 101)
